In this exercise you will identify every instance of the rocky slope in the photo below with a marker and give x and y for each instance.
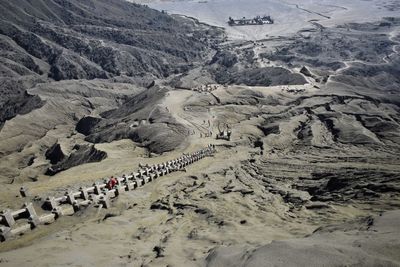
(94, 39)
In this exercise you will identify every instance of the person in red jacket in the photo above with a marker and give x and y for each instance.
(111, 183)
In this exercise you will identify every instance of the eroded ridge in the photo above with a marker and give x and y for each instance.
(17, 222)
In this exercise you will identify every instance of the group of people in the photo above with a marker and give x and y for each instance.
(206, 88)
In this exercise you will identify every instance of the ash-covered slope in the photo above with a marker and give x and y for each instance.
(15, 100)
(61, 40)
(371, 242)
(139, 119)
(92, 39)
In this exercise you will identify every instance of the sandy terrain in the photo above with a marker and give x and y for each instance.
(324, 247)
(222, 200)
(290, 16)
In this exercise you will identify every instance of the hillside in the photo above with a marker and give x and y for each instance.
(63, 40)
(93, 39)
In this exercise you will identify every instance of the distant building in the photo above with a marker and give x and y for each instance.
(258, 20)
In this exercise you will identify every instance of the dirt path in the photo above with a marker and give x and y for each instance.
(176, 103)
